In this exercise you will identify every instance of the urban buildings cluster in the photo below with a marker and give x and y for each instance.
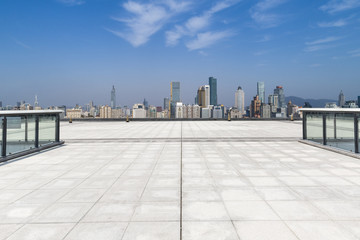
(205, 106)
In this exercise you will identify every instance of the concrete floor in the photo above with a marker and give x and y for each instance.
(218, 180)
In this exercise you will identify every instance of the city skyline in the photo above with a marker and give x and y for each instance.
(73, 59)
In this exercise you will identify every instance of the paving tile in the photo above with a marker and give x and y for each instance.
(110, 212)
(157, 212)
(42, 232)
(296, 210)
(96, 231)
(263, 230)
(152, 230)
(250, 210)
(213, 230)
(319, 230)
(7, 229)
(201, 211)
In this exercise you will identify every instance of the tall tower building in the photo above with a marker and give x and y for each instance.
(213, 91)
(341, 99)
(174, 96)
(166, 103)
(261, 91)
(36, 103)
(207, 95)
(113, 98)
(240, 100)
(279, 90)
(201, 96)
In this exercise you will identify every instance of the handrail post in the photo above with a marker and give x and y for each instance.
(4, 133)
(304, 125)
(57, 128)
(356, 132)
(324, 129)
(37, 131)
(26, 128)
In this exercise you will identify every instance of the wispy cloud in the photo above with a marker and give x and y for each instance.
(204, 40)
(315, 65)
(147, 19)
(260, 13)
(355, 53)
(321, 44)
(22, 44)
(266, 38)
(72, 2)
(337, 23)
(323, 40)
(194, 25)
(334, 6)
(260, 53)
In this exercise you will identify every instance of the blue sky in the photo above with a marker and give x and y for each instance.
(73, 51)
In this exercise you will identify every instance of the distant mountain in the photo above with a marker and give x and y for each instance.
(315, 103)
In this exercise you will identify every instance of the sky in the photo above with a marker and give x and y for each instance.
(70, 52)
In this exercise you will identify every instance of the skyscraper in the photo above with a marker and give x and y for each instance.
(261, 91)
(36, 103)
(341, 99)
(280, 92)
(201, 96)
(146, 104)
(207, 95)
(240, 100)
(166, 103)
(358, 101)
(213, 91)
(113, 98)
(174, 96)
(255, 107)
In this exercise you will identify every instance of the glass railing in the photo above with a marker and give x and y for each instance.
(337, 128)
(25, 132)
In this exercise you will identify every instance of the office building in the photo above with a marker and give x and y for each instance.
(265, 111)
(273, 100)
(201, 96)
(36, 103)
(179, 110)
(139, 111)
(213, 91)
(240, 100)
(146, 104)
(255, 107)
(205, 112)
(341, 99)
(207, 95)
(358, 101)
(113, 98)
(73, 113)
(218, 112)
(105, 112)
(279, 91)
(261, 91)
(166, 103)
(0, 104)
(174, 96)
(196, 111)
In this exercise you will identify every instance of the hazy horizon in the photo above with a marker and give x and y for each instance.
(73, 51)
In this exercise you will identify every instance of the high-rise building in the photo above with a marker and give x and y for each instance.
(273, 100)
(265, 111)
(207, 95)
(341, 99)
(166, 103)
(358, 102)
(113, 98)
(139, 111)
(213, 91)
(255, 107)
(205, 112)
(218, 112)
(240, 100)
(279, 90)
(179, 110)
(196, 111)
(0, 104)
(36, 103)
(105, 112)
(146, 104)
(174, 96)
(201, 96)
(261, 91)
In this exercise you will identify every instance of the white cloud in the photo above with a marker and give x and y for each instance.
(72, 2)
(337, 23)
(317, 48)
(315, 65)
(22, 44)
(204, 40)
(323, 40)
(196, 24)
(266, 38)
(147, 19)
(355, 53)
(334, 6)
(259, 13)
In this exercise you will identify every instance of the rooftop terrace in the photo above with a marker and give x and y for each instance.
(248, 180)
